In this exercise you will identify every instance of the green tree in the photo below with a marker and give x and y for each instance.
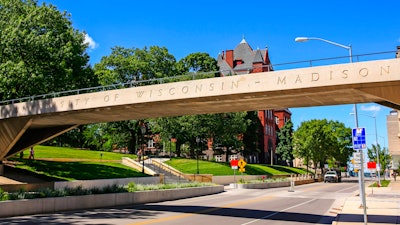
(198, 62)
(226, 130)
(342, 150)
(384, 159)
(125, 65)
(40, 51)
(250, 137)
(284, 148)
(184, 129)
(320, 140)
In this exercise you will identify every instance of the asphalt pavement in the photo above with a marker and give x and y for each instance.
(382, 204)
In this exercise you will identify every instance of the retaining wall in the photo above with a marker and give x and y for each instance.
(226, 180)
(52, 205)
(85, 184)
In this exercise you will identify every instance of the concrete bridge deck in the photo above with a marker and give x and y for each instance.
(25, 124)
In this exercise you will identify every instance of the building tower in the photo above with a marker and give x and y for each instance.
(244, 60)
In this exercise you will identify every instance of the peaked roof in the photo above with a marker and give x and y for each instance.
(258, 57)
(244, 57)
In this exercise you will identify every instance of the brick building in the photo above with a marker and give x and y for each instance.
(244, 60)
(393, 131)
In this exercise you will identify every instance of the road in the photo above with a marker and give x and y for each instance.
(316, 203)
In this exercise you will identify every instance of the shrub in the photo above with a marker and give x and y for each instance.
(3, 195)
(131, 187)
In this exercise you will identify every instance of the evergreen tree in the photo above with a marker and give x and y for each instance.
(284, 148)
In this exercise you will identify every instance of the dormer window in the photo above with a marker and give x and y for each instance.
(238, 61)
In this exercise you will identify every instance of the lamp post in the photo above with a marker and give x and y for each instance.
(197, 153)
(361, 177)
(143, 131)
(304, 39)
(170, 146)
(377, 149)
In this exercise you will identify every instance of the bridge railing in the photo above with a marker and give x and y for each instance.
(202, 75)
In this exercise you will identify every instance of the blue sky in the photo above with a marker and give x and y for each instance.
(185, 27)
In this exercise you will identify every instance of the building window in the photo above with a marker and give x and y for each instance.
(233, 157)
(150, 143)
(277, 120)
(218, 158)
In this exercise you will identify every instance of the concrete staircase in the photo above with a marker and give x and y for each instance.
(156, 166)
(171, 175)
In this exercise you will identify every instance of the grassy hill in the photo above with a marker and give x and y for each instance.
(59, 163)
(217, 169)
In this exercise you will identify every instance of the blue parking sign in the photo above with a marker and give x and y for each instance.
(359, 141)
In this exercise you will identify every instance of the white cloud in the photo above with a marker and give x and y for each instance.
(372, 108)
(89, 40)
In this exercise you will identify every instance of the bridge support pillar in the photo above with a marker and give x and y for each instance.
(1, 168)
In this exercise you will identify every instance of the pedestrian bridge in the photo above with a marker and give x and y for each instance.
(29, 123)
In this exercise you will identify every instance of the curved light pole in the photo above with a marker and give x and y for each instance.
(143, 131)
(197, 154)
(304, 39)
(361, 177)
(377, 150)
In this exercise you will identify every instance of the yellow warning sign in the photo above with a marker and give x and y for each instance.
(242, 163)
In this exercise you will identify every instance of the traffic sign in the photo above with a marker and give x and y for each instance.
(357, 157)
(359, 141)
(234, 164)
(241, 163)
(371, 165)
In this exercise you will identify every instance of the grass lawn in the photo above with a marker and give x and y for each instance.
(61, 163)
(384, 183)
(217, 169)
(78, 170)
(50, 152)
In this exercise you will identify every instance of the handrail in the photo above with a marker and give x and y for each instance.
(192, 76)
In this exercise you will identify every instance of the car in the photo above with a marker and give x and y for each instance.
(332, 176)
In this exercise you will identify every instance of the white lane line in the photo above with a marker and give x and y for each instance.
(275, 213)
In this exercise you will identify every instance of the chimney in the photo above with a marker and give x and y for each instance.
(229, 58)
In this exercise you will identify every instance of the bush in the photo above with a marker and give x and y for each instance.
(3, 195)
(131, 187)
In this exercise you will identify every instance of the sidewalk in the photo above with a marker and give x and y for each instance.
(383, 207)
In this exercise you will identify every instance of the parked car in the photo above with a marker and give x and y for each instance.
(332, 176)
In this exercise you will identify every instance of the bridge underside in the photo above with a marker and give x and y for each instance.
(19, 132)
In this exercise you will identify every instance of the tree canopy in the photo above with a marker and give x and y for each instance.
(384, 157)
(198, 62)
(320, 140)
(284, 148)
(40, 51)
(125, 65)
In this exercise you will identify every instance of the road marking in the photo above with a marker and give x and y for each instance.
(202, 211)
(275, 213)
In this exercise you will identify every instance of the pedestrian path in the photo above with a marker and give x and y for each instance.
(383, 207)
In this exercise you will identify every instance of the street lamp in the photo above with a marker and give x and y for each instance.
(170, 146)
(361, 178)
(377, 150)
(197, 153)
(143, 130)
(304, 39)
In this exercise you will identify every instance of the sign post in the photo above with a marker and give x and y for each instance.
(234, 165)
(241, 165)
(359, 143)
